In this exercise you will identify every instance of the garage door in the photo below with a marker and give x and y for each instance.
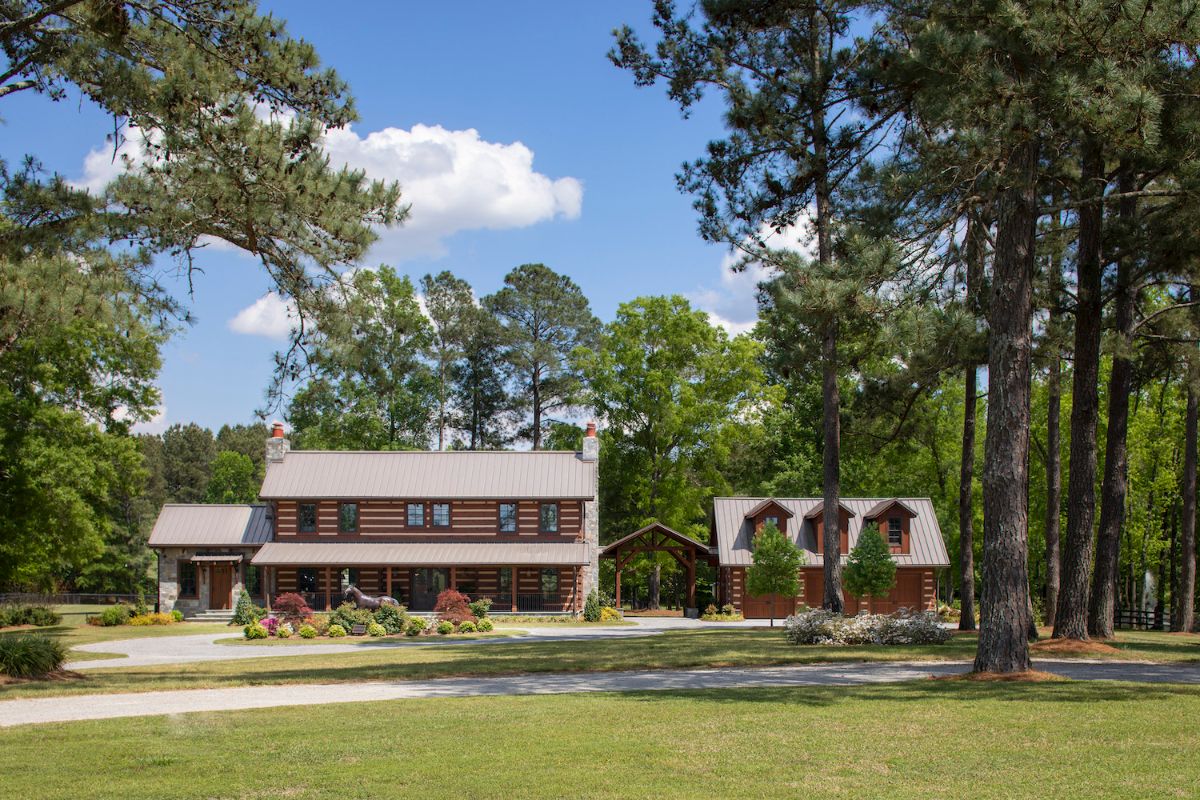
(905, 594)
(760, 607)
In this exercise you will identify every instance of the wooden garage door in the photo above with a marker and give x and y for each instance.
(905, 594)
(760, 607)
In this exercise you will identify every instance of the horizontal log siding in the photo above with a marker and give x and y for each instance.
(383, 520)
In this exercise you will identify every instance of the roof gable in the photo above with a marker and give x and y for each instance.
(770, 502)
(876, 511)
(197, 525)
(819, 509)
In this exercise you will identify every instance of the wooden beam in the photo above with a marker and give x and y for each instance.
(618, 598)
(388, 591)
(515, 574)
(454, 578)
(328, 589)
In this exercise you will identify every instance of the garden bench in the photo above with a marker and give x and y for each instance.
(358, 630)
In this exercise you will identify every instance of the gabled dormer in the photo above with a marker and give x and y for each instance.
(769, 510)
(894, 518)
(816, 516)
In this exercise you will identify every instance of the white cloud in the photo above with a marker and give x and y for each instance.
(156, 424)
(270, 316)
(733, 303)
(454, 181)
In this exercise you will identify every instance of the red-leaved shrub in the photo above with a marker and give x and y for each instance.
(291, 607)
(454, 607)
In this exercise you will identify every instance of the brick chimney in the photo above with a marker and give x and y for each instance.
(591, 444)
(278, 445)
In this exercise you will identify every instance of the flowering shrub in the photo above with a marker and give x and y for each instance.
(336, 631)
(152, 619)
(291, 607)
(271, 624)
(283, 631)
(453, 607)
(375, 629)
(415, 627)
(609, 614)
(254, 631)
(308, 632)
(445, 627)
(466, 627)
(485, 626)
(819, 626)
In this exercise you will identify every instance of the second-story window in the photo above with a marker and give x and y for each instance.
(549, 518)
(348, 518)
(771, 520)
(416, 515)
(894, 531)
(441, 515)
(307, 518)
(508, 517)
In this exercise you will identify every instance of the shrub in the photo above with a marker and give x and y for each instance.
(727, 614)
(609, 614)
(254, 631)
(320, 622)
(291, 607)
(152, 619)
(453, 606)
(481, 607)
(41, 616)
(140, 609)
(485, 625)
(308, 632)
(113, 615)
(177, 615)
(445, 627)
(467, 627)
(30, 655)
(392, 618)
(348, 615)
(819, 626)
(591, 607)
(415, 627)
(243, 612)
(271, 624)
(375, 629)
(284, 631)
(336, 631)
(729, 609)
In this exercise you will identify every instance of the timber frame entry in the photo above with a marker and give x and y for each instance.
(658, 538)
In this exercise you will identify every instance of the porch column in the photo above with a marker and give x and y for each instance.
(328, 589)
(516, 574)
(575, 590)
(388, 590)
(454, 578)
(618, 597)
(691, 579)
(266, 586)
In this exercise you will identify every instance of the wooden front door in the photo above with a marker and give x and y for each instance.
(221, 586)
(427, 584)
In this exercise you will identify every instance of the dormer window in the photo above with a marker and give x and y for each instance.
(771, 521)
(895, 528)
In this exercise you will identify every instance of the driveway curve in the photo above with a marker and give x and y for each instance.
(108, 706)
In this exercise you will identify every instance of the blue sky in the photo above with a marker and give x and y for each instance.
(512, 135)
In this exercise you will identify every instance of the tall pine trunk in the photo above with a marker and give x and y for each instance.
(1070, 622)
(1004, 620)
(1185, 597)
(1103, 607)
(1053, 440)
(966, 510)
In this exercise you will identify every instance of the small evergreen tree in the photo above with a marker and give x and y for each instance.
(243, 612)
(591, 607)
(871, 570)
(776, 566)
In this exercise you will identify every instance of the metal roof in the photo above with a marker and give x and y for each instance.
(451, 475)
(421, 554)
(764, 505)
(884, 505)
(181, 525)
(682, 538)
(733, 531)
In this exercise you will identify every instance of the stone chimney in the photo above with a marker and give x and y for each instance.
(278, 445)
(591, 444)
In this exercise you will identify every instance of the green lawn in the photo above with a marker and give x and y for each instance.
(365, 641)
(73, 635)
(675, 649)
(923, 739)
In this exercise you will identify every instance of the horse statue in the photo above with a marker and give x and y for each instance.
(355, 595)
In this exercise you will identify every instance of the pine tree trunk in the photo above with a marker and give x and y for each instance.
(1004, 621)
(966, 509)
(1184, 617)
(655, 586)
(537, 410)
(1070, 621)
(1053, 446)
(1103, 607)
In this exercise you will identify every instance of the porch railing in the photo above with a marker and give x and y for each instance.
(538, 602)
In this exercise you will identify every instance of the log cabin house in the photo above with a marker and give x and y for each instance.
(518, 527)
(909, 526)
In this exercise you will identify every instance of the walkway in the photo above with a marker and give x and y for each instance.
(107, 706)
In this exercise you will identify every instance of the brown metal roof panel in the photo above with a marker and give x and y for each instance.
(180, 525)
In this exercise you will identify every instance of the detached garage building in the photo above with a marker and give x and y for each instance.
(908, 524)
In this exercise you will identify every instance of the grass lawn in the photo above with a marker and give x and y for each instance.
(673, 649)
(365, 641)
(76, 634)
(923, 739)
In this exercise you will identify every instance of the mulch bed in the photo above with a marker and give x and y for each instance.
(1073, 647)
(1028, 676)
(58, 676)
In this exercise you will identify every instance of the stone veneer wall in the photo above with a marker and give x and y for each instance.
(168, 582)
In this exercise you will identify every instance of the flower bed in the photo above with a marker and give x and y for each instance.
(819, 626)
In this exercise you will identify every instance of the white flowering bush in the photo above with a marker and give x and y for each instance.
(819, 626)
